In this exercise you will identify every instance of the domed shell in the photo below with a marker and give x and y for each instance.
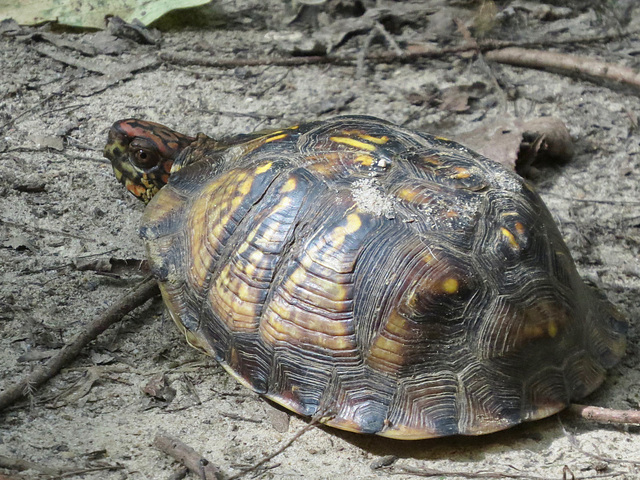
(382, 280)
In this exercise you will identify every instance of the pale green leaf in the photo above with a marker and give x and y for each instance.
(89, 13)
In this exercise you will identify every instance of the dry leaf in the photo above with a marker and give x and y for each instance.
(519, 144)
(159, 389)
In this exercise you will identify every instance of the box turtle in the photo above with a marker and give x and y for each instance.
(377, 278)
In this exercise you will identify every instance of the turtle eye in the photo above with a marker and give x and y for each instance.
(143, 155)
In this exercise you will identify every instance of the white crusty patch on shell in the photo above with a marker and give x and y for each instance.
(371, 198)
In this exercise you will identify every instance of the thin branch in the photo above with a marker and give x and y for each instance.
(19, 464)
(71, 350)
(566, 63)
(493, 51)
(271, 456)
(605, 415)
(429, 472)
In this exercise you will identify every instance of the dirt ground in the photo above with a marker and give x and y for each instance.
(69, 246)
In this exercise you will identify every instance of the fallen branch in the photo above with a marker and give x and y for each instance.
(429, 472)
(566, 63)
(19, 464)
(605, 415)
(188, 457)
(109, 69)
(71, 350)
(538, 59)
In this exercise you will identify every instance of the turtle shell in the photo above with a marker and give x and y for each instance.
(382, 280)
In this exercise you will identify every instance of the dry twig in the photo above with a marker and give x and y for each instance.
(271, 456)
(495, 51)
(429, 472)
(566, 63)
(43, 373)
(605, 415)
(19, 464)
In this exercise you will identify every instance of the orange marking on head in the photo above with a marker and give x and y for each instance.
(135, 188)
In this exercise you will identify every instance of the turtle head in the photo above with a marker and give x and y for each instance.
(142, 154)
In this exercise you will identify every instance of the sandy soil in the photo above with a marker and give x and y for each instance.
(64, 218)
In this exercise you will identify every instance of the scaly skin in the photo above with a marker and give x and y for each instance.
(142, 154)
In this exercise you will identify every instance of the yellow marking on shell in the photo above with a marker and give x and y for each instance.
(432, 161)
(256, 257)
(388, 353)
(405, 432)
(249, 269)
(252, 235)
(291, 327)
(461, 172)
(366, 160)
(217, 230)
(324, 169)
(450, 286)
(427, 257)
(535, 331)
(307, 261)
(510, 237)
(245, 293)
(519, 228)
(277, 137)
(273, 232)
(408, 194)
(297, 277)
(444, 139)
(352, 142)
(353, 223)
(243, 248)
(264, 168)
(340, 233)
(235, 301)
(245, 187)
(552, 329)
(377, 140)
(236, 201)
(223, 278)
(284, 203)
(289, 186)
(343, 424)
(335, 291)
